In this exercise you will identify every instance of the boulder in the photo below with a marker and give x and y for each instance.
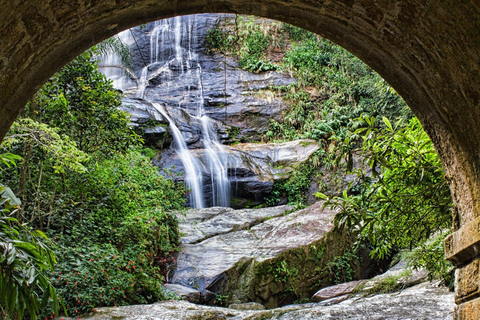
(247, 306)
(270, 255)
(335, 291)
(217, 239)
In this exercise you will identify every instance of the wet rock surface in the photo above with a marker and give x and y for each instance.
(216, 239)
(181, 74)
(252, 167)
(171, 67)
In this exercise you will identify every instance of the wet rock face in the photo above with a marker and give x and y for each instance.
(238, 99)
(171, 68)
(253, 168)
(270, 256)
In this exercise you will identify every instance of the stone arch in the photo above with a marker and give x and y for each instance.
(428, 51)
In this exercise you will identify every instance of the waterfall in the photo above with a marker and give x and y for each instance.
(193, 168)
(111, 65)
(173, 64)
(142, 83)
(216, 155)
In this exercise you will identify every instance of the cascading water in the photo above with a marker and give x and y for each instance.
(216, 155)
(173, 59)
(111, 65)
(193, 169)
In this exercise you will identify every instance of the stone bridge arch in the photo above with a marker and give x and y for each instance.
(429, 51)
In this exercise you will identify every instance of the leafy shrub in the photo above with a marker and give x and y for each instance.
(249, 42)
(122, 231)
(81, 102)
(25, 257)
(404, 201)
(294, 188)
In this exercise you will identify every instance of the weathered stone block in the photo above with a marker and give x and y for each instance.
(467, 282)
(468, 311)
(464, 244)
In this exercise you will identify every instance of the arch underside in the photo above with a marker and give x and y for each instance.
(429, 52)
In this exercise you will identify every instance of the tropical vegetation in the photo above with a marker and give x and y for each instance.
(90, 222)
(399, 200)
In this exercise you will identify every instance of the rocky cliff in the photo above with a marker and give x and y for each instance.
(170, 67)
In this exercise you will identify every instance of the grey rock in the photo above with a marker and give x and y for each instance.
(247, 306)
(334, 300)
(425, 301)
(335, 291)
(187, 293)
(222, 237)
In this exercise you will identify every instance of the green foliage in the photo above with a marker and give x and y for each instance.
(294, 188)
(333, 88)
(101, 201)
(57, 149)
(430, 255)
(24, 259)
(8, 160)
(122, 234)
(148, 152)
(220, 299)
(252, 53)
(340, 268)
(82, 103)
(215, 41)
(309, 58)
(249, 42)
(404, 200)
(296, 33)
(387, 284)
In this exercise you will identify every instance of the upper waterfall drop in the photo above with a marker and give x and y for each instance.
(173, 61)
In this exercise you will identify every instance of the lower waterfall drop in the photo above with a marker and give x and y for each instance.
(193, 170)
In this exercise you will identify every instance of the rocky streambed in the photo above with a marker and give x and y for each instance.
(423, 301)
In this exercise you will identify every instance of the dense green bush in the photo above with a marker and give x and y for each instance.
(122, 230)
(403, 201)
(81, 102)
(249, 41)
(294, 188)
(334, 88)
(102, 203)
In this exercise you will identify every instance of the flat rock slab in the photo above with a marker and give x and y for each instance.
(335, 291)
(425, 301)
(217, 238)
(201, 224)
(247, 306)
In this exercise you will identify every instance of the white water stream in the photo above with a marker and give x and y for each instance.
(172, 43)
